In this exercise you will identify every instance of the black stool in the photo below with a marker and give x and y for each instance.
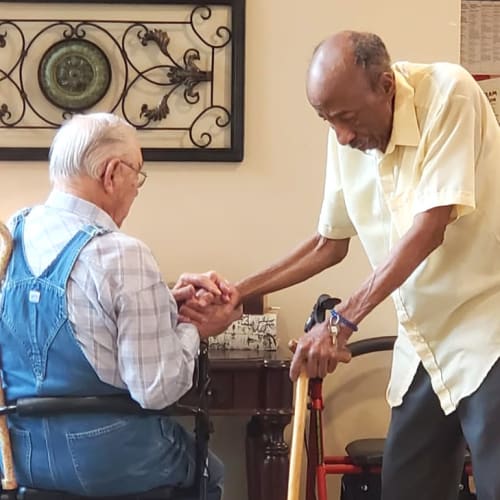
(368, 454)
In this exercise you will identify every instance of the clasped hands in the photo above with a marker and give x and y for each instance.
(319, 352)
(208, 301)
(211, 303)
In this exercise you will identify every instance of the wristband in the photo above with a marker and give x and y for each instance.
(336, 319)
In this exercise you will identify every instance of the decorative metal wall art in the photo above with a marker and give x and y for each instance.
(175, 71)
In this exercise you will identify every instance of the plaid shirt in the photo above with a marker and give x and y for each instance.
(123, 315)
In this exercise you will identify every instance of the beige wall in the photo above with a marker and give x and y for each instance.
(236, 218)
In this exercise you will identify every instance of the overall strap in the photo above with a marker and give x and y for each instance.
(18, 267)
(60, 268)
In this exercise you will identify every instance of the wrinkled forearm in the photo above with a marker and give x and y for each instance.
(426, 234)
(310, 258)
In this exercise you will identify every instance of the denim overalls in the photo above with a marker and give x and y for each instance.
(106, 454)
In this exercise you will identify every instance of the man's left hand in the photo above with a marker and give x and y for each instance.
(319, 352)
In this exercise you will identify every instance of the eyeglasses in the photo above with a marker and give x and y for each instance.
(141, 176)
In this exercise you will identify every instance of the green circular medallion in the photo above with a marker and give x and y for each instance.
(74, 74)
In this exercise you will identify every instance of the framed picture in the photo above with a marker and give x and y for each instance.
(172, 69)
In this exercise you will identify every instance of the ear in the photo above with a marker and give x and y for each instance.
(108, 175)
(387, 83)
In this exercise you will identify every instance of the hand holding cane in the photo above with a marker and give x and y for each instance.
(323, 303)
(9, 478)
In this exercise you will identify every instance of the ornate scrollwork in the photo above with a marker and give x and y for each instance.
(220, 116)
(4, 112)
(157, 113)
(222, 32)
(7, 119)
(154, 82)
(188, 75)
(156, 35)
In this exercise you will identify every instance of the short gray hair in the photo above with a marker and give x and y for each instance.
(84, 142)
(370, 53)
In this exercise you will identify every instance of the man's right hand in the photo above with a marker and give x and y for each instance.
(204, 288)
(214, 318)
(319, 352)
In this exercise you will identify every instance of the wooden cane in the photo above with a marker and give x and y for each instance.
(9, 477)
(299, 422)
(297, 447)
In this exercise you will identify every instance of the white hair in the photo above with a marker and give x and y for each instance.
(84, 142)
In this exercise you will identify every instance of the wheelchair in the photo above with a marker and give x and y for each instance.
(361, 466)
(47, 406)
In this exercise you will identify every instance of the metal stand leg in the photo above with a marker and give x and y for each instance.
(202, 422)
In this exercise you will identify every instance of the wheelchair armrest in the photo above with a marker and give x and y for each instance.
(43, 406)
(375, 344)
(121, 403)
(46, 406)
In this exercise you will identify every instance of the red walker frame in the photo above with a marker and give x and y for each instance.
(319, 465)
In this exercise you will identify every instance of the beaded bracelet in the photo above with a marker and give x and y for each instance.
(338, 318)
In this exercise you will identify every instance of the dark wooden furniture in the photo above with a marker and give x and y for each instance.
(257, 384)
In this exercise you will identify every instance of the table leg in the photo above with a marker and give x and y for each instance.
(267, 457)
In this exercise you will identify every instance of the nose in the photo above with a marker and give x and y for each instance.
(344, 135)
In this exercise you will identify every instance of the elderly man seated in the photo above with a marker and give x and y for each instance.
(85, 311)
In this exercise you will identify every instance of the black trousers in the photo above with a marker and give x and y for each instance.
(424, 450)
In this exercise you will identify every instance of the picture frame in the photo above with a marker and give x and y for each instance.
(173, 69)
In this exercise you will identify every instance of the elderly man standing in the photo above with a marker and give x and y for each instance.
(84, 311)
(413, 169)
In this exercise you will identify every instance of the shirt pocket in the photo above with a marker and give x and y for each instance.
(402, 213)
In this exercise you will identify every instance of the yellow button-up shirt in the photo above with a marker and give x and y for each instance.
(444, 150)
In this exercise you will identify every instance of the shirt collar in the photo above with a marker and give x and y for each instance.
(82, 208)
(405, 131)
